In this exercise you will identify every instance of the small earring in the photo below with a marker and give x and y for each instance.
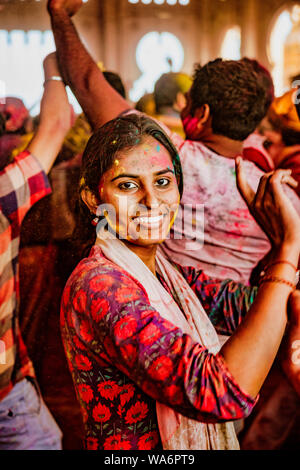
(95, 221)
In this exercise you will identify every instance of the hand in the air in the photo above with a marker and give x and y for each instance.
(69, 6)
(270, 206)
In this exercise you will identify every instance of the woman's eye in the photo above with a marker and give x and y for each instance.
(127, 185)
(163, 182)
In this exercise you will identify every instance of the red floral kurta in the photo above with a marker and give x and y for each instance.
(124, 356)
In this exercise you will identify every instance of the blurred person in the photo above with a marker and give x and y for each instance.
(25, 422)
(146, 104)
(169, 97)
(276, 420)
(257, 140)
(282, 133)
(115, 81)
(16, 128)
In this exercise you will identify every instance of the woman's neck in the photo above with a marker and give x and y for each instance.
(145, 253)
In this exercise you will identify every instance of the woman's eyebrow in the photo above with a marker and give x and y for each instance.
(126, 175)
(166, 170)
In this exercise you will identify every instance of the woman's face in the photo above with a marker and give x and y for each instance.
(140, 193)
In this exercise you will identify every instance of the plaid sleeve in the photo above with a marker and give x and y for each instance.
(23, 183)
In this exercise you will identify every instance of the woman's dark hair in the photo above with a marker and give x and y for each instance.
(120, 134)
(235, 97)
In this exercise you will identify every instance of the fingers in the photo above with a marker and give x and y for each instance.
(270, 188)
(290, 181)
(244, 188)
(259, 198)
(277, 179)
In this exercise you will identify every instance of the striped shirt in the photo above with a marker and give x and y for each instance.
(22, 183)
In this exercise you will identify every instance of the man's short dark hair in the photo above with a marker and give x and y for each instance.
(264, 78)
(235, 97)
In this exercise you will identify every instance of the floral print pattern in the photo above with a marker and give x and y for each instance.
(124, 356)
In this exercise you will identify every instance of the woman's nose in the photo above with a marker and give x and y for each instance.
(150, 199)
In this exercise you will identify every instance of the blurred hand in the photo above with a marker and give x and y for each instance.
(69, 6)
(270, 206)
(289, 352)
(51, 67)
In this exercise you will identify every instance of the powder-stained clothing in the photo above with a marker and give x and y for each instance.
(214, 229)
(22, 183)
(124, 355)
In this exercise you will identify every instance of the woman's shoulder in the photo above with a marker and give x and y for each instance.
(100, 276)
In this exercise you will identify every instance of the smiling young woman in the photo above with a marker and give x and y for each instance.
(139, 333)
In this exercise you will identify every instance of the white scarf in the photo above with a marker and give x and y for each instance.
(177, 432)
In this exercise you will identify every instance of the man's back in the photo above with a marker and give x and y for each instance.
(233, 243)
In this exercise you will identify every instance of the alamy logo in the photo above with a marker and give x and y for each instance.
(296, 353)
(2, 353)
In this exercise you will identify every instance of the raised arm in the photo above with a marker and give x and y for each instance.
(98, 99)
(250, 351)
(55, 117)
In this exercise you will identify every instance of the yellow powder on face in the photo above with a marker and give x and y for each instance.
(117, 162)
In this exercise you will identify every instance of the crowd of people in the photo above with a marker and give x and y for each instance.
(155, 288)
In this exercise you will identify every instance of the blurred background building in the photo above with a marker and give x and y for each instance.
(141, 39)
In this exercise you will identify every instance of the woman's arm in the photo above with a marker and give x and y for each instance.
(250, 351)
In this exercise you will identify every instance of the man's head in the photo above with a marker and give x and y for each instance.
(15, 121)
(226, 99)
(169, 92)
(264, 78)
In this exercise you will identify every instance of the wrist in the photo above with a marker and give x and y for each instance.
(53, 78)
